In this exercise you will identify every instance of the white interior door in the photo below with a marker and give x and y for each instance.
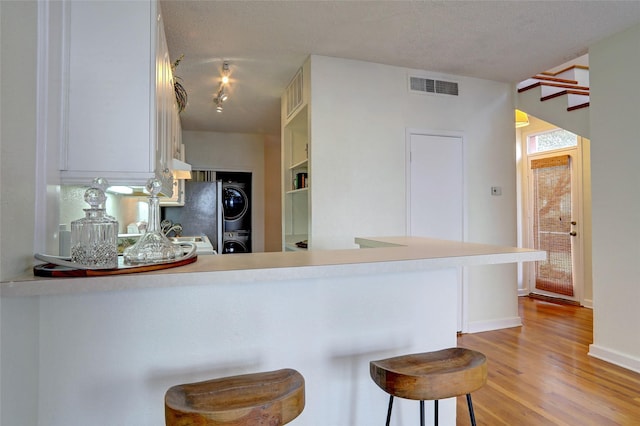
(435, 195)
(436, 191)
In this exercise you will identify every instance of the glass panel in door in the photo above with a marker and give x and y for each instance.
(551, 185)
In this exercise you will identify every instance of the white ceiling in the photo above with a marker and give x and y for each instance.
(265, 43)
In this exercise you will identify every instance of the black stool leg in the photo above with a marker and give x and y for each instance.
(389, 410)
(435, 411)
(471, 415)
(421, 413)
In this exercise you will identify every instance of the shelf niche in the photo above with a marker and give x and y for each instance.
(296, 176)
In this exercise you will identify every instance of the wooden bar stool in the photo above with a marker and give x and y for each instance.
(271, 398)
(431, 376)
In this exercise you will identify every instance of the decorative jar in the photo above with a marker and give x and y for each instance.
(94, 238)
(153, 246)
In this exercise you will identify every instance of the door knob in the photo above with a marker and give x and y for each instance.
(573, 222)
(573, 233)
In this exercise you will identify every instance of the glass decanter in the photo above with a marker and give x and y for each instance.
(153, 246)
(94, 238)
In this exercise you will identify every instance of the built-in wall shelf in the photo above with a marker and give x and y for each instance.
(290, 242)
(296, 162)
(293, 247)
(298, 191)
(300, 164)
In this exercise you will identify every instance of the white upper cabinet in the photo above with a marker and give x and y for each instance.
(121, 114)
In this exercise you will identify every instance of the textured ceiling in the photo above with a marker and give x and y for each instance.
(267, 41)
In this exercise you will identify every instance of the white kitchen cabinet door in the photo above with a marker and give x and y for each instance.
(118, 115)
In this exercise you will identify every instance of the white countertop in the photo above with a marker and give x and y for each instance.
(388, 254)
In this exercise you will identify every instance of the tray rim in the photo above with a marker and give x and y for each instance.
(53, 270)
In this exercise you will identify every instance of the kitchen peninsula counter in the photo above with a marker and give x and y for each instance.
(382, 255)
(103, 351)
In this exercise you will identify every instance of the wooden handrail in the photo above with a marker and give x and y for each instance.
(581, 67)
(542, 83)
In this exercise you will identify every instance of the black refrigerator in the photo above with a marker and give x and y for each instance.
(202, 212)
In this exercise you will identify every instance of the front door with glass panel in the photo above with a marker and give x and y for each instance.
(553, 213)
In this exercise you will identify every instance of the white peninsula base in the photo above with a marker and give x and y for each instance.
(106, 358)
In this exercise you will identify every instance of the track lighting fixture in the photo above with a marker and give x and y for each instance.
(225, 72)
(222, 94)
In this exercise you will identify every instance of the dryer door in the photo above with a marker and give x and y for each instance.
(235, 202)
(232, 246)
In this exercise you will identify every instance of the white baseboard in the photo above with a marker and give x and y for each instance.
(618, 358)
(495, 324)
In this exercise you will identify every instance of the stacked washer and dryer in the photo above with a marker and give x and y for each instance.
(217, 205)
(236, 207)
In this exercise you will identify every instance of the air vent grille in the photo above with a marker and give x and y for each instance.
(294, 93)
(427, 85)
(423, 85)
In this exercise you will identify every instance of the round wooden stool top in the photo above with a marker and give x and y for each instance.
(431, 375)
(271, 398)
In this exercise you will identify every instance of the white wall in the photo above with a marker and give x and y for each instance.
(615, 150)
(17, 137)
(360, 112)
(18, 322)
(236, 152)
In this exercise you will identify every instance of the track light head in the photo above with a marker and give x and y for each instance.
(222, 94)
(225, 73)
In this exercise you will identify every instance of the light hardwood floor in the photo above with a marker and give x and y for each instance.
(540, 373)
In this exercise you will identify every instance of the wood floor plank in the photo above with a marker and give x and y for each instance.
(541, 374)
